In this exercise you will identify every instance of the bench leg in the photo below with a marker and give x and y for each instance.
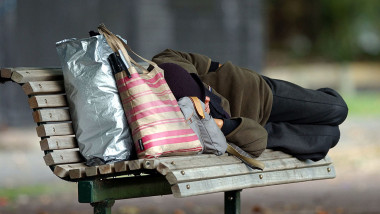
(232, 202)
(103, 207)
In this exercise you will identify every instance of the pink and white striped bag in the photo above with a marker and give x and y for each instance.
(157, 124)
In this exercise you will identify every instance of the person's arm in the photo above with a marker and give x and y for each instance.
(227, 125)
(191, 62)
(245, 133)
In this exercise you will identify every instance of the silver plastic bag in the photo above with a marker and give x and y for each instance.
(98, 117)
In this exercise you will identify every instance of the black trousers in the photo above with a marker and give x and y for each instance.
(304, 122)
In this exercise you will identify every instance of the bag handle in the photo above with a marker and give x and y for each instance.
(198, 107)
(239, 153)
(247, 160)
(117, 44)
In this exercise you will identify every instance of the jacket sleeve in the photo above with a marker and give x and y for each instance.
(249, 136)
(192, 63)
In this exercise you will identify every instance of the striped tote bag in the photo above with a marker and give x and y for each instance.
(157, 124)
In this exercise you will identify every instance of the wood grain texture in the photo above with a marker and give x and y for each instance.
(44, 87)
(92, 171)
(58, 143)
(252, 180)
(135, 164)
(63, 157)
(204, 173)
(42, 74)
(51, 115)
(293, 163)
(77, 173)
(166, 167)
(209, 172)
(271, 155)
(47, 101)
(57, 129)
(121, 166)
(6, 73)
(106, 169)
(153, 163)
(62, 171)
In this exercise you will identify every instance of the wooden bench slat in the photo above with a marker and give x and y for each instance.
(54, 129)
(6, 73)
(293, 163)
(182, 175)
(252, 180)
(271, 155)
(38, 74)
(51, 115)
(195, 162)
(135, 164)
(62, 171)
(58, 143)
(106, 169)
(121, 166)
(153, 163)
(92, 171)
(47, 101)
(63, 156)
(192, 174)
(43, 87)
(77, 172)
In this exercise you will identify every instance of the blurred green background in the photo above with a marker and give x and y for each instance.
(333, 31)
(333, 43)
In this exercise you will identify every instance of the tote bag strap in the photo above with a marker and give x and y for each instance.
(198, 107)
(144, 70)
(242, 155)
(117, 44)
(234, 150)
(146, 60)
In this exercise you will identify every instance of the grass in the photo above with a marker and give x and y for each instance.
(364, 104)
(12, 194)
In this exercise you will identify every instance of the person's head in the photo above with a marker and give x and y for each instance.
(183, 84)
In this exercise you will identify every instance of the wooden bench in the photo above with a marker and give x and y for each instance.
(181, 176)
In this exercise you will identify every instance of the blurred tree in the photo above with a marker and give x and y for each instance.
(333, 30)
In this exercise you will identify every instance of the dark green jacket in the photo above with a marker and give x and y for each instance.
(244, 94)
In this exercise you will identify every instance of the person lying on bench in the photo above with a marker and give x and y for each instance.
(256, 112)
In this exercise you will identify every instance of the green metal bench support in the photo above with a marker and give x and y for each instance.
(102, 193)
(103, 207)
(232, 202)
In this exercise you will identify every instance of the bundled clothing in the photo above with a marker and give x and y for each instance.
(304, 122)
(248, 100)
(251, 109)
